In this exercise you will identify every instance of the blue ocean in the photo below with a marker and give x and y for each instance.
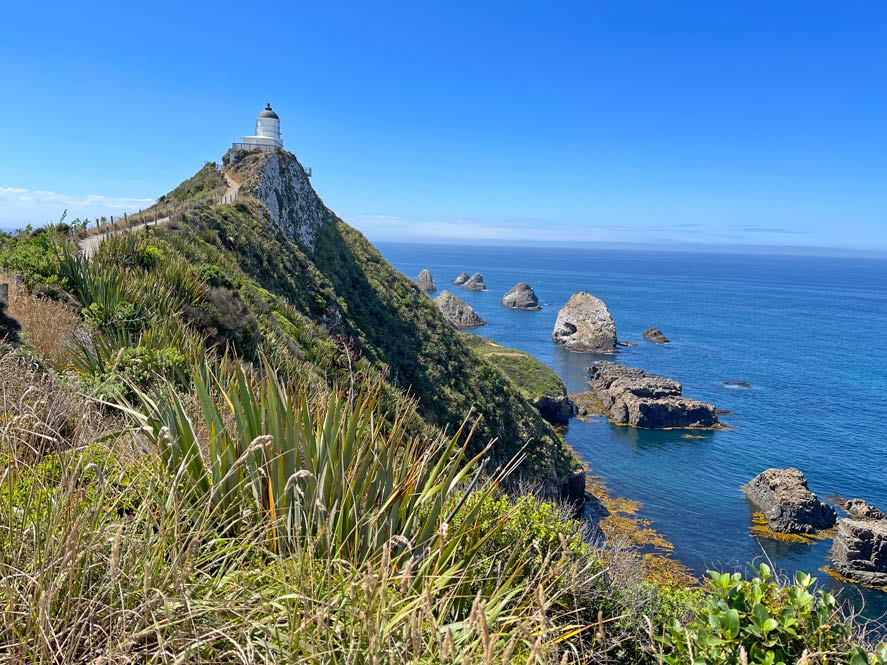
(808, 334)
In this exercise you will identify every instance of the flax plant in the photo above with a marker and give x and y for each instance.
(340, 478)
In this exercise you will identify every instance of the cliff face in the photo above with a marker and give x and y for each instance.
(280, 182)
(295, 247)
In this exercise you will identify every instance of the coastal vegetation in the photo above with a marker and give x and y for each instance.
(220, 444)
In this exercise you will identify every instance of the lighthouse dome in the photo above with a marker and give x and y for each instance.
(269, 113)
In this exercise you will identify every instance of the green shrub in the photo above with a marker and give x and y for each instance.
(33, 256)
(214, 276)
(759, 621)
(148, 256)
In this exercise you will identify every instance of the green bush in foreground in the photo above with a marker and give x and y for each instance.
(759, 621)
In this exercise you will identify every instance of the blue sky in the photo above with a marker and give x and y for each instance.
(659, 123)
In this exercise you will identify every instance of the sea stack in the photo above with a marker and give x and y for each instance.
(475, 283)
(426, 282)
(656, 336)
(788, 504)
(458, 312)
(521, 296)
(585, 324)
(461, 279)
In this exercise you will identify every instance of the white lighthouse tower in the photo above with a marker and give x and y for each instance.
(267, 137)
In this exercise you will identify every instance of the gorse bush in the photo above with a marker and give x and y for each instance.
(762, 622)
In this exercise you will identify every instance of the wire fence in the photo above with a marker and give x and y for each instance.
(159, 213)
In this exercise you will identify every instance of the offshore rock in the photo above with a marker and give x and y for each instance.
(458, 312)
(521, 296)
(634, 397)
(862, 510)
(656, 336)
(859, 551)
(585, 324)
(426, 282)
(475, 283)
(461, 279)
(788, 504)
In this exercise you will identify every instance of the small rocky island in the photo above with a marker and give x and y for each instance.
(426, 282)
(787, 503)
(656, 336)
(458, 312)
(630, 396)
(521, 296)
(461, 279)
(585, 324)
(474, 283)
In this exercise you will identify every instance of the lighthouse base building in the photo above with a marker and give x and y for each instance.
(267, 136)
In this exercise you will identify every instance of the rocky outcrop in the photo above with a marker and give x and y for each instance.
(278, 180)
(634, 397)
(585, 324)
(656, 336)
(862, 510)
(475, 283)
(458, 312)
(557, 409)
(521, 296)
(788, 504)
(461, 279)
(572, 490)
(426, 282)
(859, 551)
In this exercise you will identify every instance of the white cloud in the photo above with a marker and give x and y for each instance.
(513, 231)
(19, 206)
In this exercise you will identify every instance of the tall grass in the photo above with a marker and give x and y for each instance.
(273, 527)
(48, 326)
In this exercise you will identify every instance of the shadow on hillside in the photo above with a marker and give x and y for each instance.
(389, 312)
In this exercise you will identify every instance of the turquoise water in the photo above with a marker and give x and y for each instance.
(807, 332)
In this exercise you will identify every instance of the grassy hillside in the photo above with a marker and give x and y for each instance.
(533, 378)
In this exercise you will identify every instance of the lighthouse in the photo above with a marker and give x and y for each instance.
(267, 136)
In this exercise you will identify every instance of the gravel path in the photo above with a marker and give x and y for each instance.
(89, 245)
